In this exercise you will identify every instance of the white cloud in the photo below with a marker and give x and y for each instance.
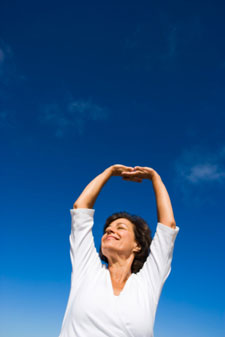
(198, 166)
(209, 172)
(200, 175)
(72, 115)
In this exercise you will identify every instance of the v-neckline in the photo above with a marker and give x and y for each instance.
(111, 286)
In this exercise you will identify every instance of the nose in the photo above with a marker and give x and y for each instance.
(110, 231)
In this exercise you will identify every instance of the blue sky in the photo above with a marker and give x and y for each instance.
(84, 85)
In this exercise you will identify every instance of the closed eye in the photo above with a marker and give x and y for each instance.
(120, 227)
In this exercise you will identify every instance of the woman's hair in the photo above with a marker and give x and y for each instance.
(142, 235)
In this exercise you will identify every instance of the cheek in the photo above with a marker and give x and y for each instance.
(129, 238)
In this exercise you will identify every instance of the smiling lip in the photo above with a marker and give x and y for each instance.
(110, 236)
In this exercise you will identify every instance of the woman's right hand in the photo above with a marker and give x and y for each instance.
(119, 170)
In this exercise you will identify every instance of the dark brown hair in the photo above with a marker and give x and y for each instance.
(142, 235)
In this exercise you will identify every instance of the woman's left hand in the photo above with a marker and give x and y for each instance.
(140, 172)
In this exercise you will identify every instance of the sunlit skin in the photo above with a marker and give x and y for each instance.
(119, 246)
(118, 242)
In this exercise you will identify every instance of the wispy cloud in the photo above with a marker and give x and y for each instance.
(206, 172)
(198, 166)
(72, 115)
(197, 171)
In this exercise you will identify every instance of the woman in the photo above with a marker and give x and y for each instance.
(118, 300)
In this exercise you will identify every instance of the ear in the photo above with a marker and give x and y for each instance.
(137, 249)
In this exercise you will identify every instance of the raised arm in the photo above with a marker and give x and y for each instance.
(164, 208)
(90, 193)
(157, 267)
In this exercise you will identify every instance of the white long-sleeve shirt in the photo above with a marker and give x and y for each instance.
(92, 309)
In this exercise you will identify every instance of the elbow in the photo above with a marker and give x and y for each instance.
(173, 224)
(170, 223)
(81, 205)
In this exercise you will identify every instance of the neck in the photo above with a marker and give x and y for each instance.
(120, 272)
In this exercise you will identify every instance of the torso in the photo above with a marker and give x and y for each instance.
(115, 303)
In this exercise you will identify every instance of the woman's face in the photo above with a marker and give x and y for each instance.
(119, 239)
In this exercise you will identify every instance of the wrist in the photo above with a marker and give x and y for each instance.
(154, 176)
(109, 171)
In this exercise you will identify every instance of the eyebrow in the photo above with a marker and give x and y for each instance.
(119, 223)
(122, 223)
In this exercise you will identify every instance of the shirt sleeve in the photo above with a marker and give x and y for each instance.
(83, 254)
(157, 267)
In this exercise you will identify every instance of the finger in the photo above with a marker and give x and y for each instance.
(129, 178)
(131, 174)
(138, 167)
(126, 174)
(126, 169)
(138, 180)
(126, 178)
(123, 167)
(130, 168)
